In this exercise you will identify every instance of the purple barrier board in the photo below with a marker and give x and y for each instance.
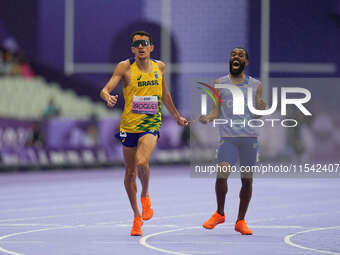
(15, 133)
(55, 157)
(73, 142)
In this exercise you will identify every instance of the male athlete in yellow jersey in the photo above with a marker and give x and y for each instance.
(144, 89)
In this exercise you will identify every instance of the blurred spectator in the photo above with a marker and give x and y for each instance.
(25, 68)
(14, 64)
(51, 110)
(8, 63)
(36, 139)
(84, 133)
(76, 136)
(91, 134)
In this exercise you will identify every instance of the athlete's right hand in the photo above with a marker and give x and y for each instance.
(111, 101)
(204, 119)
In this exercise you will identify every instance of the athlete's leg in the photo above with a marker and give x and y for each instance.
(245, 195)
(130, 177)
(145, 147)
(227, 156)
(248, 153)
(221, 188)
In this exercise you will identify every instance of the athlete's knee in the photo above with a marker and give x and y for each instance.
(130, 174)
(142, 164)
(223, 171)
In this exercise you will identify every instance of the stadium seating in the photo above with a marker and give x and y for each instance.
(28, 98)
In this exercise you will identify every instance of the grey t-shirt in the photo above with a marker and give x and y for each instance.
(237, 125)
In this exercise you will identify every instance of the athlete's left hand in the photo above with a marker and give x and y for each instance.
(182, 121)
(260, 104)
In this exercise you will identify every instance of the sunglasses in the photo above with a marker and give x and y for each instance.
(144, 43)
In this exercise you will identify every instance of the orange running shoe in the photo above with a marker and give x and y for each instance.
(241, 226)
(137, 227)
(215, 219)
(147, 211)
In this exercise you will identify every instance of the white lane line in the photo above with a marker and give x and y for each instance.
(111, 203)
(203, 252)
(77, 226)
(276, 226)
(287, 240)
(31, 225)
(76, 206)
(95, 212)
(159, 218)
(200, 242)
(34, 231)
(225, 226)
(26, 232)
(146, 237)
(53, 189)
(59, 215)
(52, 197)
(23, 242)
(149, 226)
(143, 240)
(71, 200)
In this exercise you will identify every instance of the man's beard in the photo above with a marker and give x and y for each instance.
(237, 71)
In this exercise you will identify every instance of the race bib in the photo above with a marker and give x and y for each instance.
(145, 104)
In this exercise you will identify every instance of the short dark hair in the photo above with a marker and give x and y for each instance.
(246, 52)
(141, 33)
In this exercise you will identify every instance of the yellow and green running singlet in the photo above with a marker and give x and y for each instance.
(143, 88)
